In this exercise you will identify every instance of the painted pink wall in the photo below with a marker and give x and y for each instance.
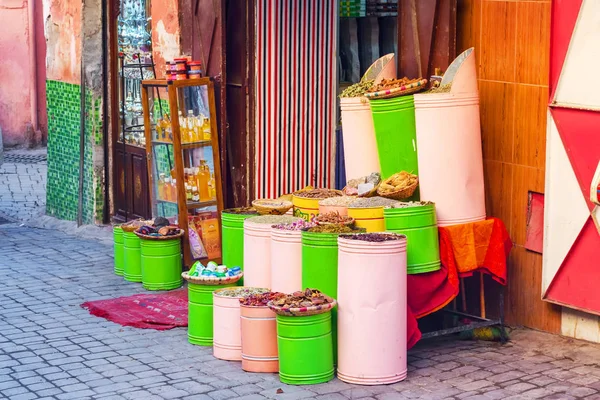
(63, 34)
(15, 112)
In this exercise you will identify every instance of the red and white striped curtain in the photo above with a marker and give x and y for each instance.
(296, 87)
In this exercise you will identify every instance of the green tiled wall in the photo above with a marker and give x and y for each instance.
(63, 103)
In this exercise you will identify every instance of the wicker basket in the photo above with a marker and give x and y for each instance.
(129, 227)
(397, 92)
(400, 194)
(211, 280)
(272, 207)
(302, 311)
(170, 237)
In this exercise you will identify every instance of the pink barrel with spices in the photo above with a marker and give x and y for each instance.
(372, 310)
(286, 261)
(227, 340)
(259, 339)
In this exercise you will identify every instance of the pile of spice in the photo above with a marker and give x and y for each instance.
(371, 202)
(333, 217)
(358, 89)
(241, 291)
(396, 182)
(160, 227)
(374, 237)
(241, 211)
(260, 300)
(363, 185)
(318, 194)
(387, 84)
(337, 201)
(295, 226)
(273, 219)
(307, 298)
(408, 204)
(441, 89)
(333, 229)
(212, 269)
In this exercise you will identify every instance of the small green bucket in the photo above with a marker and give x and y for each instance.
(200, 313)
(419, 224)
(132, 257)
(320, 269)
(161, 264)
(232, 225)
(305, 348)
(118, 255)
(396, 136)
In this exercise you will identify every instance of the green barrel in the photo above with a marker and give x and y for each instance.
(132, 257)
(396, 135)
(118, 239)
(161, 264)
(200, 313)
(305, 349)
(232, 225)
(320, 268)
(419, 224)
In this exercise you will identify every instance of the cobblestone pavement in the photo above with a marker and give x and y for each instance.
(23, 184)
(52, 348)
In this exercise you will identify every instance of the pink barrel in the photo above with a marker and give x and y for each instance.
(360, 148)
(227, 339)
(286, 261)
(372, 311)
(257, 254)
(450, 156)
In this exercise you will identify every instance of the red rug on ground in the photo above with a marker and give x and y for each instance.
(160, 311)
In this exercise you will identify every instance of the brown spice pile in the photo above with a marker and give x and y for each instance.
(307, 298)
(387, 84)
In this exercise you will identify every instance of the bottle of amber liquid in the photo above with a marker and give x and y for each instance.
(212, 189)
(195, 194)
(167, 189)
(188, 192)
(204, 178)
(173, 190)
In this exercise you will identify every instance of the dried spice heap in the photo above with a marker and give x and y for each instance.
(358, 89)
(295, 226)
(241, 291)
(241, 211)
(333, 217)
(333, 228)
(374, 237)
(318, 194)
(307, 298)
(370, 202)
(260, 300)
(273, 219)
(387, 84)
(337, 201)
(397, 182)
(407, 204)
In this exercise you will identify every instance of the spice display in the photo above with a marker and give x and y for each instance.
(358, 89)
(260, 300)
(318, 193)
(241, 291)
(332, 228)
(241, 211)
(370, 202)
(212, 269)
(271, 206)
(407, 204)
(399, 186)
(363, 186)
(295, 226)
(337, 201)
(374, 237)
(441, 89)
(273, 219)
(387, 84)
(333, 217)
(306, 298)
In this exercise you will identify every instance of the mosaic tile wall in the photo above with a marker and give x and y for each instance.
(63, 102)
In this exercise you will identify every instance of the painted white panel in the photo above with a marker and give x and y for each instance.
(565, 209)
(580, 325)
(577, 86)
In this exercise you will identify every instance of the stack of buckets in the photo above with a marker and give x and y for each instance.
(155, 263)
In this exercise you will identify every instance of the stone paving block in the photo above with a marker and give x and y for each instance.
(520, 387)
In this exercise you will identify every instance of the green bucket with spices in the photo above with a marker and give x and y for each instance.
(305, 347)
(396, 135)
(132, 257)
(418, 222)
(118, 249)
(161, 263)
(232, 225)
(200, 312)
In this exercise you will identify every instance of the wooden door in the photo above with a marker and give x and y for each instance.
(131, 192)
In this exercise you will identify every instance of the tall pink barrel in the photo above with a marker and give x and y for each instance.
(450, 156)
(372, 310)
(286, 261)
(257, 254)
(360, 148)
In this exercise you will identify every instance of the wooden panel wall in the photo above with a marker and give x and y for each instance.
(512, 44)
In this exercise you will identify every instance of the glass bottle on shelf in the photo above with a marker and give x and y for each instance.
(206, 129)
(212, 190)
(195, 194)
(174, 190)
(182, 128)
(167, 190)
(191, 122)
(168, 131)
(188, 192)
(204, 178)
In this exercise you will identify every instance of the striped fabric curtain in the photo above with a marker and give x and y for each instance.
(296, 83)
